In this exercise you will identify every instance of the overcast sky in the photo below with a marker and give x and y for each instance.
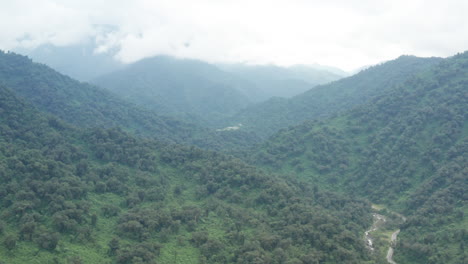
(342, 33)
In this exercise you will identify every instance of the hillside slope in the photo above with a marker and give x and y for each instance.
(208, 93)
(85, 105)
(406, 149)
(322, 101)
(102, 196)
(176, 86)
(80, 103)
(275, 81)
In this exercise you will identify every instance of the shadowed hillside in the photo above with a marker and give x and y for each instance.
(406, 149)
(325, 100)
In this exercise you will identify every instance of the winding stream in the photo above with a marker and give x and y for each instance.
(379, 221)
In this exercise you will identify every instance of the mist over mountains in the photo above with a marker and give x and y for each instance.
(328, 99)
(170, 160)
(85, 63)
(233, 132)
(80, 61)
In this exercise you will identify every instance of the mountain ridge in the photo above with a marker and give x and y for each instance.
(325, 100)
(406, 149)
(99, 195)
(86, 105)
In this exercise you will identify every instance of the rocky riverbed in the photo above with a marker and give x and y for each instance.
(379, 222)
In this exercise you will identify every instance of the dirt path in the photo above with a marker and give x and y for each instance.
(390, 249)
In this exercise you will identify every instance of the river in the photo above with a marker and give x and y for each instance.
(378, 222)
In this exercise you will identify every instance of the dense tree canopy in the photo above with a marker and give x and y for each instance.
(89, 178)
(406, 148)
(128, 200)
(328, 99)
(85, 105)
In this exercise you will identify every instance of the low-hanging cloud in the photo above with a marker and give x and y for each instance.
(347, 34)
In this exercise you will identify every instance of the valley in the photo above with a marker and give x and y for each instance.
(96, 175)
(233, 132)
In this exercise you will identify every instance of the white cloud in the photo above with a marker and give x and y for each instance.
(347, 34)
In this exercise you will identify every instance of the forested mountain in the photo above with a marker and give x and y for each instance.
(82, 104)
(85, 105)
(406, 149)
(102, 196)
(208, 93)
(277, 113)
(275, 81)
(176, 86)
(88, 177)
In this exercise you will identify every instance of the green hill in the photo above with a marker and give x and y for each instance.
(197, 90)
(102, 196)
(188, 88)
(325, 100)
(276, 81)
(88, 177)
(82, 104)
(406, 148)
(85, 105)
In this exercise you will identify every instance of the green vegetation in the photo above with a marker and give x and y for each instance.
(90, 178)
(208, 94)
(407, 149)
(275, 81)
(188, 88)
(84, 105)
(104, 196)
(325, 100)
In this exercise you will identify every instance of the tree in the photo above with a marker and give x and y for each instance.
(114, 245)
(10, 242)
(48, 240)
